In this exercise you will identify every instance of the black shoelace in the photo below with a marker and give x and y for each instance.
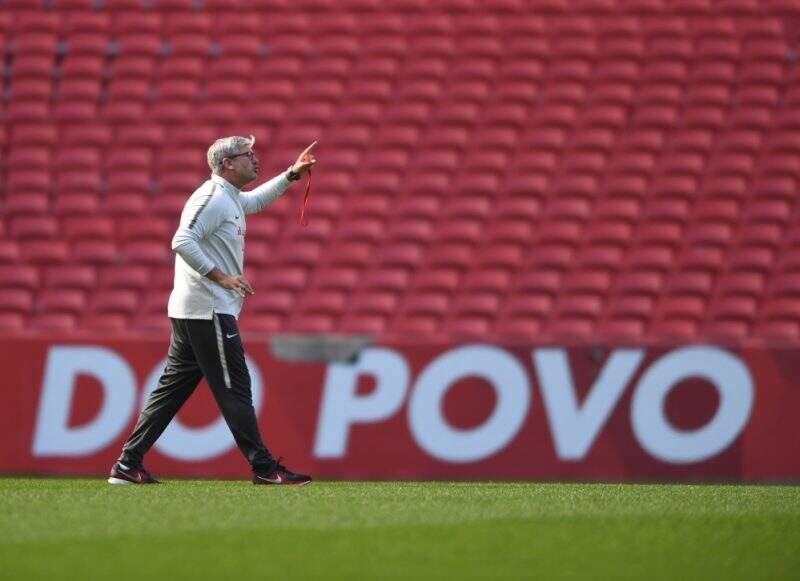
(280, 467)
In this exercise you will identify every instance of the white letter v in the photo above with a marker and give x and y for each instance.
(575, 427)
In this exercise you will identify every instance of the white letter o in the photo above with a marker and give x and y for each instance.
(428, 424)
(729, 376)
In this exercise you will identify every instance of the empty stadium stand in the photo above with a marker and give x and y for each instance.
(539, 170)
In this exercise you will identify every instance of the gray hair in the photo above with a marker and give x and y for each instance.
(226, 147)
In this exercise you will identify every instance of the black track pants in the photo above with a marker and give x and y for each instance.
(211, 349)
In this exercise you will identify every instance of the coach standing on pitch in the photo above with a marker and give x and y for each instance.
(205, 302)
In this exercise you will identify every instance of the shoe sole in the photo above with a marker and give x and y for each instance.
(113, 480)
(283, 483)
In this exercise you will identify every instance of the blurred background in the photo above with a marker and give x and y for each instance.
(564, 235)
(527, 172)
(580, 174)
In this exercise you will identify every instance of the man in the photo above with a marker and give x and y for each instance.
(205, 302)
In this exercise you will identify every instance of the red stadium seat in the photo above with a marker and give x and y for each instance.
(338, 278)
(404, 255)
(179, 68)
(376, 303)
(85, 21)
(31, 43)
(107, 323)
(555, 256)
(73, 181)
(74, 156)
(539, 282)
(271, 302)
(154, 301)
(75, 277)
(83, 43)
(42, 251)
(151, 324)
(528, 306)
(310, 323)
(126, 204)
(428, 304)
(438, 279)
(12, 323)
(656, 172)
(369, 324)
(58, 322)
(16, 301)
(19, 277)
(114, 302)
(146, 252)
(130, 277)
(9, 252)
(83, 67)
(154, 230)
(33, 66)
(76, 204)
(31, 89)
(65, 301)
(94, 252)
(328, 303)
(34, 227)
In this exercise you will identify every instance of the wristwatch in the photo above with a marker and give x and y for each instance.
(291, 175)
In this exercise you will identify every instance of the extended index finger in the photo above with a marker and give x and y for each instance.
(309, 149)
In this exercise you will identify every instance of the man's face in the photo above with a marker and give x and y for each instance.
(245, 166)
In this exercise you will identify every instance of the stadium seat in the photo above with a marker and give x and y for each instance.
(42, 251)
(78, 277)
(108, 323)
(16, 301)
(154, 302)
(150, 324)
(65, 301)
(361, 324)
(657, 169)
(286, 277)
(271, 302)
(114, 302)
(145, 252)
(55, 322)
(67, 112)
(157, 230)
(530, 305)
(34, 227)
(94, 252)
(130, 277)
(310, 323)
(9, 252)
(70, 204)
(261, 324)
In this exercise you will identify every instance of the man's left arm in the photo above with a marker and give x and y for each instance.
(259, 198)
(262, 196)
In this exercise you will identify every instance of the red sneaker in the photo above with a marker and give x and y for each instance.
(282, 475)
(122, 474)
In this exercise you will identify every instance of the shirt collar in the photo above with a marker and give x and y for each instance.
(226, 185)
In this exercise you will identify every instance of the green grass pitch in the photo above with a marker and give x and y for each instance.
(183, 529)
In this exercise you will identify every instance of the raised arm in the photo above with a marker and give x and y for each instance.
(262, 196)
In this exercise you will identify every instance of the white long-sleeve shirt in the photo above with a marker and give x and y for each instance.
(211, 234)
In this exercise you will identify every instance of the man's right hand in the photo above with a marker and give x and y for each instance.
(237, 283)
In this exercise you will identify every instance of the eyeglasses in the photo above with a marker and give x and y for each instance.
(249, 153)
